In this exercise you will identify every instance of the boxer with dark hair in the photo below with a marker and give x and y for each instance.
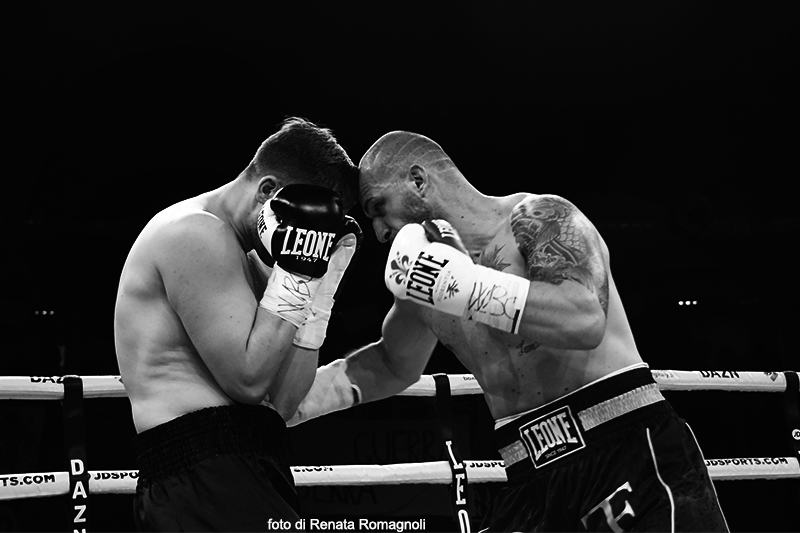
(519, 289)
(216, 347)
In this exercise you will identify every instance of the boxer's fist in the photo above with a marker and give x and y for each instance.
(429, 266)
(423, 271)
(299, 226)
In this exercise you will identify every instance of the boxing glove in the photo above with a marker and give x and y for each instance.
(298, 227)
(429, 266)
(311, 333)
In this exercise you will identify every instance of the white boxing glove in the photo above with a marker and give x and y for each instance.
(428, 265)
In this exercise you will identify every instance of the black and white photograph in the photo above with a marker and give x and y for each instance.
(400, 267)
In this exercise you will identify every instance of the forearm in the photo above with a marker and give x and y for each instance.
(279, 314)
(293, 380)
(376, 374)
(264, 351)
(363, 376)
(558, 311)
(375, 371)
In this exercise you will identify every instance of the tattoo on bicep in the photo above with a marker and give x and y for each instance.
(559, 243)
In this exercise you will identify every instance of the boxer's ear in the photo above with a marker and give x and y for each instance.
(267, 186)
(419, 176)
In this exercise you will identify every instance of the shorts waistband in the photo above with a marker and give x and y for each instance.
(568, 425)
(179, 444)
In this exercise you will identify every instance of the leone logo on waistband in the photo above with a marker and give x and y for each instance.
(552, 436)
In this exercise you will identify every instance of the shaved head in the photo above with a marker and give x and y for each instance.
(405, 178)
(396, 151)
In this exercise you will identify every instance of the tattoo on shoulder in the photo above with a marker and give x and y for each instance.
(559, 243)
(492, 259)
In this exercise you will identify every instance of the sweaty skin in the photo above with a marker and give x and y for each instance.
(164, 373)
(546, 240)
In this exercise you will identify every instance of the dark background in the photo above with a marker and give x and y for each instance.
(671, 125)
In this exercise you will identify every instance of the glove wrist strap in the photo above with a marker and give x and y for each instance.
(497, 299)
(289, 295)
(311, 334)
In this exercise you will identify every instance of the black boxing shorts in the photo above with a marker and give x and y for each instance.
(215, 469)
(610, 456)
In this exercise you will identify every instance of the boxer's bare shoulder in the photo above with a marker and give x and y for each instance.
(185, 217)
(559, 243)
(184, 231)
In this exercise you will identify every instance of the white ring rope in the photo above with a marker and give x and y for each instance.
(51, 388)
(15, 486)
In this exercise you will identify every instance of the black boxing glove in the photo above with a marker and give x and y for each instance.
(311, 333)
(298, 228)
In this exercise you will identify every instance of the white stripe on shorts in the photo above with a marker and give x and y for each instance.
(666, 487)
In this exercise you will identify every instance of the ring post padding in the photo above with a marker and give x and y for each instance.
(75, 443)
(459, 489)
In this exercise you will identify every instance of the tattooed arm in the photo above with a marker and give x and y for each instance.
(567, 302)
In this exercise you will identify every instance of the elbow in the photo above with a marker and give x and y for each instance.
(405, 376)
(249, 396)
(408, 379)
(250, 392)
(588, 331)
(585, 327)
(402, 371)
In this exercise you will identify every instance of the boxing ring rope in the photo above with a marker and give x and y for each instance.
(16, 486)
(51, 388)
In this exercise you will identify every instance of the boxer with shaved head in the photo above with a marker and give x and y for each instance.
(519, 288)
